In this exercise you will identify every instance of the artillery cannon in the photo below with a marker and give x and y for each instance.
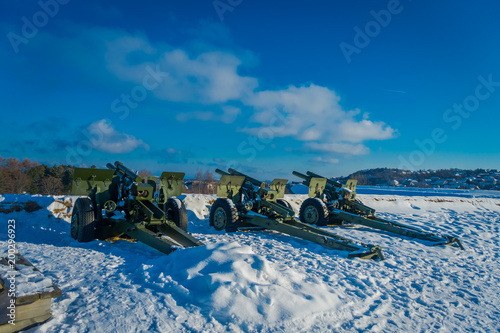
(245, 201)
(331, 203)
(116, 201)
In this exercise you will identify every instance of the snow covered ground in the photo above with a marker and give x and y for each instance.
(261, 281)
(412, 191)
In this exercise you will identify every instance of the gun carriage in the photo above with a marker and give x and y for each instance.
(245, 201)
(332, 203)
(116, 201)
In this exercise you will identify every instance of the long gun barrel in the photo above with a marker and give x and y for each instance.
(307, 178)
(248, 178)
(111, 166)
(124, 170)
(301, 175)
(329, 181)
(221, 172)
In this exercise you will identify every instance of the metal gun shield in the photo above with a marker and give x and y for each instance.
(85, 180)
(229, 185)
(171, 183)
(316, 187)
(279, 185)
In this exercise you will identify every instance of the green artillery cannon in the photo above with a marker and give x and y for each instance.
(244, 201)
(332, 203)
(118, 202)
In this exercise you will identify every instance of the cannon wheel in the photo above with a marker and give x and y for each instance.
(284, 203)
(176, 211)
(224, 215)
(82, 221)
(314, 211)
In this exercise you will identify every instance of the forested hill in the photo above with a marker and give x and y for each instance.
(451, 178)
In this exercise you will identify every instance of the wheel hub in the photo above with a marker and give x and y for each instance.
(220, 218)
(311, 215)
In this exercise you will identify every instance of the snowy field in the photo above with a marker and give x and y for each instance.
(260, 281)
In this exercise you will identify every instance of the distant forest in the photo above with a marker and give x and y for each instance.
(25, 176)
(385, 175)
(18, 177)
(30, 177)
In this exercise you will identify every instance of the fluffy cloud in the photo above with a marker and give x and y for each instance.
(228, 116)
(339, 147)
(106, 138)
(169, 155)
(207, 78)
(313, 114)
(210, 80)
(327, 160)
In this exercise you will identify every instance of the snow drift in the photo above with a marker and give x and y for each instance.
(265, 281)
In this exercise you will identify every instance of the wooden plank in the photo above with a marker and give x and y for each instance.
(30, 309)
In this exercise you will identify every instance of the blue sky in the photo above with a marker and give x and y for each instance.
(266, 87)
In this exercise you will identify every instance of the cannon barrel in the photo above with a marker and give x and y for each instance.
(111, 166)
(329, 181)
(117, 171)
(221, 172)
(126, 171)
(248, 178)
(301, 175)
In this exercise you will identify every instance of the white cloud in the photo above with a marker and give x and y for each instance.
(229, 115)
(313, 114)
(106, 138)
(126, 56)
(328, 160)
(339, 147)
(210, 77)
(196, 115)
(358, 131)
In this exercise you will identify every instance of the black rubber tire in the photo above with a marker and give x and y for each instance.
(284, 203)
(82, 221)
(314, 211)
(176, 212)
(224, 215)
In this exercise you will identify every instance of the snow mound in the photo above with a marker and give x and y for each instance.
(198, 205)
(234, 284)
(404, 204)
(263, 281)
(59, 206)
(62, 207)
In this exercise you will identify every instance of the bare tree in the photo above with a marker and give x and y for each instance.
(203, 183)
(209, 182)
(12, 178)
(198, 182)
(145, 173)
(51, 185)
(19, 182)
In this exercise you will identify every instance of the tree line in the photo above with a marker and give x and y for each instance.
(18, 177)
(385, 175)
(30, 177)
